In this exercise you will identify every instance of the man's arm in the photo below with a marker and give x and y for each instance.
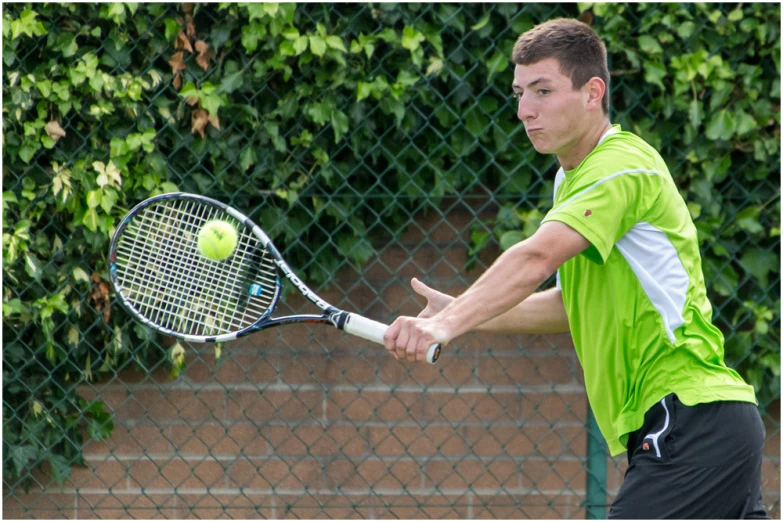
(511, 279)
(541, 313)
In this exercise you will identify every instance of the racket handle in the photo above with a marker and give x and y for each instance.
(373, 331)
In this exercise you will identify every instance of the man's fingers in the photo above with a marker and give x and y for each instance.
(420, 288)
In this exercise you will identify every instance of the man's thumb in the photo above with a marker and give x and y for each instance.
(420, 288)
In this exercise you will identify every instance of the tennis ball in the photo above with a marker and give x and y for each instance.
(217, 240)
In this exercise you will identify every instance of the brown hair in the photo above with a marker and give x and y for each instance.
(577, 48)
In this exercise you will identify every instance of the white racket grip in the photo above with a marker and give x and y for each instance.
(373, 331)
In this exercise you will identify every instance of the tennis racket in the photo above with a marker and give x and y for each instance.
(163, 280)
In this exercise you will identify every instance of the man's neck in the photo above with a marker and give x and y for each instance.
(585, 146)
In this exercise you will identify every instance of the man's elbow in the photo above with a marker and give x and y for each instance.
(537, 264)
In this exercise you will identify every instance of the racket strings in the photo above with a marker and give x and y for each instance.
(162, 274)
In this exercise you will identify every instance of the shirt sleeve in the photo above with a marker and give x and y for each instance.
(603, 211)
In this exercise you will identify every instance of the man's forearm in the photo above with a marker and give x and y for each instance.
(541, 313)
(511, 279)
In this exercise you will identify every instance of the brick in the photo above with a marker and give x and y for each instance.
(214, 506)
(472, 406)
(772, 444)
(264, 405)
(529, 506)
(146, 473)
(275, 473)
(373, 474)
(528, 369)
(473, 474)
(182, 473)
(45, 505)
(311, 439)
(770, 475)
(616, 468)
(351, 440)
(124, 506)
(412, 440)
(109, 473)
(554, 408)
(397, 373)
(114, 401)
(240, 367)
(363, 405)
(772, 503)
(175, 473)
(431, 506)
(130, 376)
(323, 506)
(499, 441)
(149, 439)
(552, 476)
(336, 367)
(151, 405)
(218, 439)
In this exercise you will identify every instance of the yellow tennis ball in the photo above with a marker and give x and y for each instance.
(217, 240)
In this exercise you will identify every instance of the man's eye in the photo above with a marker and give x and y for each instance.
(516, 95)
(543, 91)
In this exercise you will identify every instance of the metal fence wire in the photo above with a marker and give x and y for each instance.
(392, 152)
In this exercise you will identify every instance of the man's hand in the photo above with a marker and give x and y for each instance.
(436, 301)
(409, 338)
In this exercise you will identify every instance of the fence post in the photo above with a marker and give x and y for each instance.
(595, 500)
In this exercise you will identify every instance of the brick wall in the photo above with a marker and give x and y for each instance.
(306, 422)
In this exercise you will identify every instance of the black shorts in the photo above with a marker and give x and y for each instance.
(701, 461)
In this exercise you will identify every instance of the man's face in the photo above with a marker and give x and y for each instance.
(552, 111)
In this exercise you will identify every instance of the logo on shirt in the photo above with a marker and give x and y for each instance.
(588, 213)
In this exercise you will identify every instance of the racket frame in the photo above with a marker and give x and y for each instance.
(352, 323)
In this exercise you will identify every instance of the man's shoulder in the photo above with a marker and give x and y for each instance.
(624, 151)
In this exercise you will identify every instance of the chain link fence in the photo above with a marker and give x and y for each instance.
(427, 181)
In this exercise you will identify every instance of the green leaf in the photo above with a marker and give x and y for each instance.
(497, 64)
(721, 126)
(300, 45)
(173, 28)
(251, 34)
(60, 467)
(22, 456)
(335, 42)
(317, 45)
(747, 219)
(654, 73)
(685, 29)
(650, 45)
(231, 82)
(511, 238)
(735, 15)
(247, 158)
(411, 38)
(481, 23)
(339, 124)
(696, 113)
(90, 220)
(211, 103)
(745, 123)
(319, 112)
(759, 263)
(27, 151)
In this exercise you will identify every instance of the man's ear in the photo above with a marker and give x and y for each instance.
(596, 90)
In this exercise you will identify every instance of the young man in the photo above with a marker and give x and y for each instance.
(629, 288)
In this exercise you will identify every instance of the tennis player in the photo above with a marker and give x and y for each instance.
(629, 288)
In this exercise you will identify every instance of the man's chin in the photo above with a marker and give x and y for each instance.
(542, 149)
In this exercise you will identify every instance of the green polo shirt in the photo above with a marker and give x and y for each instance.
(636, 300)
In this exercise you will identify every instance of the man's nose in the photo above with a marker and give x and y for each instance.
(524, 111)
